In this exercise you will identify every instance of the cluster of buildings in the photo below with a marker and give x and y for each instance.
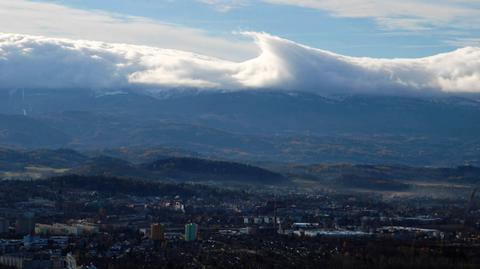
(76, 229)
(158, 233)
(49, 245)
(90, 229)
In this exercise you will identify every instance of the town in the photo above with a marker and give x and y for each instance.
(100, 222)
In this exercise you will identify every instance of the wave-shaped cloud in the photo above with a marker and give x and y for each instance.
(51, 63)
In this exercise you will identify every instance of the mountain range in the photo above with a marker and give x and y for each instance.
(262, 126)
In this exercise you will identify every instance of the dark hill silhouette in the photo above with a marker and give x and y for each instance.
(194, 169)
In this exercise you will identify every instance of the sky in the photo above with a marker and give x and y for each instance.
(374, 46)
(372, 28)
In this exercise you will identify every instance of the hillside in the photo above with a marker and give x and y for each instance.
(40, 164)
(13, 160)
(21, 131)
(461, 174)
(45, 163)
(192, 169)
(400, 179)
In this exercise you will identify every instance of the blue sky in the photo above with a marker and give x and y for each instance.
(310, 26)
(385, 28)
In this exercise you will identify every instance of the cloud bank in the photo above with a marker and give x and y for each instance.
(50, 63)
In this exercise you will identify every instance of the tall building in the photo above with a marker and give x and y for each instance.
(191, 232)
(157, 232)
(25, 224)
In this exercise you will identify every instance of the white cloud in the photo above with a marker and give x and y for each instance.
(40, 62)
(37, 18)
(224, 5)
(464, 42)
(394, 14)
(392, 24)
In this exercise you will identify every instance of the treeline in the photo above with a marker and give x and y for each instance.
(108, 186)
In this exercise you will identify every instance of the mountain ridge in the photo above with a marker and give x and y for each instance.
(256, 125)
